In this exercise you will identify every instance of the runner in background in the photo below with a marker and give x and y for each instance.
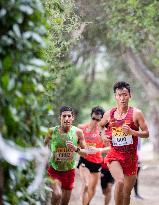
(107, 180)
(90, 165)
(136, 189)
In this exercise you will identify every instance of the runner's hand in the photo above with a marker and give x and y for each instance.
(106, 140)
(71, 146)
(92, 150)
(126, 129)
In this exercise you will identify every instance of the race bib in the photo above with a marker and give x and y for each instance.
(119, 138)
(121, 141)
(62, 156)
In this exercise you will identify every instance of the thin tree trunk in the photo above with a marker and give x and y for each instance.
(154, 117)
(151, 85)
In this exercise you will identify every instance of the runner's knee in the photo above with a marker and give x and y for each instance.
(92, 190)
(108, 189)
(56, 194)
(120, 180)
(85, 187)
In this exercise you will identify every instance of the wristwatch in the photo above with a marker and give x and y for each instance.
(78, 149)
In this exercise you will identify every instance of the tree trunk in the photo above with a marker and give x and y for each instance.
(151, 85)
(154, 123)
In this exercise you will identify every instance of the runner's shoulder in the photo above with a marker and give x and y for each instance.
(107, 113)
(137, 111)
(137, 114)
(82, 126)
(79, 130)
(50, 130)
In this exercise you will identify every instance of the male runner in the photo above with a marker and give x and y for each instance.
(107, 180)
(137, 195)
(90, 165)
(124, 123)
(63, 160)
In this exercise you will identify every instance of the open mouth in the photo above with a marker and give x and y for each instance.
(67, 123)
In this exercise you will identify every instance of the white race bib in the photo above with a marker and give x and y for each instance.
(122, 140)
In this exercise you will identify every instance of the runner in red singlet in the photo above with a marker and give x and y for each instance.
(124, 123)
(90, 165)
(107, 180)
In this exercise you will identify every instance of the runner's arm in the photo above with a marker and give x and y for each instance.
(144, 132)
(48, 136)
(103, 122)
(81, 140)
(140, 121)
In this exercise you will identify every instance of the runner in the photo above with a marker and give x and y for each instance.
(136, 190)
(63, 160)
(90, 165)
(124, 123)
(107, 182)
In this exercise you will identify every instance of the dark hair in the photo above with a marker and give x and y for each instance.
(121, 85)
(98, 111)
(66, 108)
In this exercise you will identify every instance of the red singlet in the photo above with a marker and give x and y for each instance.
(123, 147)
(93, 139)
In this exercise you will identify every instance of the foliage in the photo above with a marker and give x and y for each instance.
(23, 30)
(117, 25)
(135, 24)
(63, 85)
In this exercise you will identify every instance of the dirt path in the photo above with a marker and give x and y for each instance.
(148, 186)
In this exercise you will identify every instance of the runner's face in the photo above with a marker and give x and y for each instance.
(122, 97)
(96, 118)
(66, 118)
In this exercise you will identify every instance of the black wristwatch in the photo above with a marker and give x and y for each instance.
(78, 149)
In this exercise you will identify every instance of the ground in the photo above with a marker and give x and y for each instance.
(148, 184)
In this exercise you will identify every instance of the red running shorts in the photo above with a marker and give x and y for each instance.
(66, 178)
(128, 161)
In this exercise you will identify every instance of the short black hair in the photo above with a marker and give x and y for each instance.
(98, 110)
(121, 85)
(66, 108)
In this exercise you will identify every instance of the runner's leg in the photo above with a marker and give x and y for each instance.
(118, 175)
(106, 185)
(56, 192)
(66, 195)
(85, 178)
(107, 193)
(129, 182)
(94, 177)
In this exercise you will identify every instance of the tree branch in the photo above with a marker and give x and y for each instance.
(142, 73)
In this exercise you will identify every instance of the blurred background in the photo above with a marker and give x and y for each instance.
(63, 52)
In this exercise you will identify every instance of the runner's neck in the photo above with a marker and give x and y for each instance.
(64, 130)
(92, 128)
(121, 113)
